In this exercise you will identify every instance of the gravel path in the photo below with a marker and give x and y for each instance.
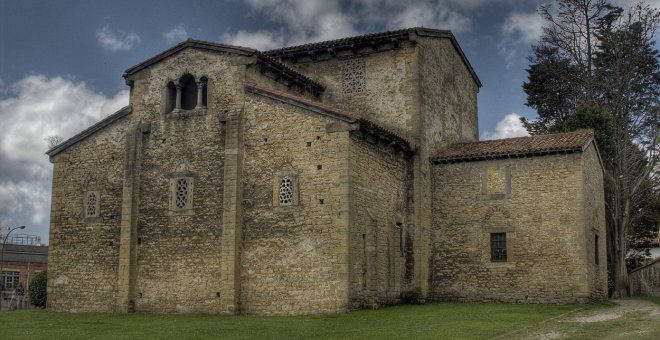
(624, 306)
(639, 325)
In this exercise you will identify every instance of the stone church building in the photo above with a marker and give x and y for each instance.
(315, 179)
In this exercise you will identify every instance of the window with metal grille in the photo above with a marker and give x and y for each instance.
(181, 192)
(10, 279)
(286, 191)
(498, 247)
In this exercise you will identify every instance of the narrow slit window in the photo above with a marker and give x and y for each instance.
(596, 250)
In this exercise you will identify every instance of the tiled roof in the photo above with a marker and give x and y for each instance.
(200, 44)
(371, 39)
(516, 147)
(210, 46)
(403, 33)
(123, 112)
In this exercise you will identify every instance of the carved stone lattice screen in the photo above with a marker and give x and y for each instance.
(354, 76)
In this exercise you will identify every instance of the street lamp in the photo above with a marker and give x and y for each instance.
(2, 259)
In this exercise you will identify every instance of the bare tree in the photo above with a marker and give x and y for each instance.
(53, 141)
(572, 31)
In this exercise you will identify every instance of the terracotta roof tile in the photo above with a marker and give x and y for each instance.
(367, 39)
(516, 147)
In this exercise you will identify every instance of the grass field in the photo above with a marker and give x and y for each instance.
(430, 321)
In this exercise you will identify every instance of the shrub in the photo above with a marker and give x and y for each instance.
(37, 289)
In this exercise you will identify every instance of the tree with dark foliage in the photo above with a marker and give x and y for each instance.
(595, 67)
(37, 289)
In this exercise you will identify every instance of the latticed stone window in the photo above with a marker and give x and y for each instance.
(181, 193)
(498, 247)
(286, 191)
(181, 190)
(92, 200)
(354, 76)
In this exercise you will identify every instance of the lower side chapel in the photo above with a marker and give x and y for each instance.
(317, 179)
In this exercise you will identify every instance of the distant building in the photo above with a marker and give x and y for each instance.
(314, 179)
(19, 263)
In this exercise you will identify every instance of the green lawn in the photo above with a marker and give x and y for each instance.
(446, 320)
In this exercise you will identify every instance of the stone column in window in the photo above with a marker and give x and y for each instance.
(200, 88)
(177, 106)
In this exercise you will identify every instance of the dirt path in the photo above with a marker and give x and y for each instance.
(638, 319)
(624, 306)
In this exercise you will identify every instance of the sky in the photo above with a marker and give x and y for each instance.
(61, 63)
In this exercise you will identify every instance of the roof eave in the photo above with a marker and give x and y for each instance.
(523, 154)
(198, 44)
(123, 112)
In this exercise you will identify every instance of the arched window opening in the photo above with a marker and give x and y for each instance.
(170, 97)
(188, 92)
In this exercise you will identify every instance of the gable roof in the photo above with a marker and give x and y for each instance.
(123, 112)
(262, 59)
(372, 42)
(366, 125)
(567, 142)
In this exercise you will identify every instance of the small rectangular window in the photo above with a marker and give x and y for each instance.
(10, 279)
(498, 247)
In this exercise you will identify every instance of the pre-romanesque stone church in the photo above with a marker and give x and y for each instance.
(316, 179)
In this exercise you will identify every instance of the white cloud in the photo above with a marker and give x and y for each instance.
(34, 108)
(260, 40)
(318, 20)
(524, 27)
(303, 21)
(38, 107)
(176, 34)
(430, 14)
(629, 3)
(119, 41)
(508, 127)
(519, 31)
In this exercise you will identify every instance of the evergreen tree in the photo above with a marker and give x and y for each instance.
(37, 289)
(595, 67)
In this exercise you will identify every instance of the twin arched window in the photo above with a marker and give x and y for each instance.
(186, 94)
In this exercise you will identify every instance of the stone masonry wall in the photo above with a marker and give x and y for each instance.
(595, 227)
(378, 232)
(253, 75)
(541, 211)
(448, 95)
(294, 259)
(388, 93)
(178, 251)
(83, 252)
